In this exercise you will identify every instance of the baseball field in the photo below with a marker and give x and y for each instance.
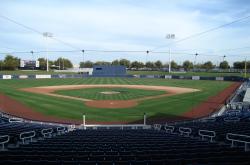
(112, 100)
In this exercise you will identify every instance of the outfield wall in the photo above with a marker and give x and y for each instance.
(48, 76)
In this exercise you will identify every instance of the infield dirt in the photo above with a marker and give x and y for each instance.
(48, 90)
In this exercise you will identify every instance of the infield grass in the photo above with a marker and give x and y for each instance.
(73, 109)
(97, 93)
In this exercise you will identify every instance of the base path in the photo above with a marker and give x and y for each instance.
(213, 103)
(48, 90)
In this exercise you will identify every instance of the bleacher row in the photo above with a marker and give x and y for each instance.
(173, 143)
(14, 131)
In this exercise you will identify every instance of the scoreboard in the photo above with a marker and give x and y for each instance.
(29, 64)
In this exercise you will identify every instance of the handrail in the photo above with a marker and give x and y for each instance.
(246, 142)
(169, 128)
(117, 126)
(47, 131)
(23, 135)
(207, 133)
(14, 119)
(60, 130)
(231, 119)
(232, 111)
(185, 131)
(208, 119)
(6, 141)
(157, 127)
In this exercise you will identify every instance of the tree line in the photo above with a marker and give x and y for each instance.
(186, 65)
(12, 63)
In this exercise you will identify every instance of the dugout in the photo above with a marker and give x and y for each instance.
(109, 70)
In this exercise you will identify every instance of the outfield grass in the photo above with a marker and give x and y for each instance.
(73, 109)
(96, 93)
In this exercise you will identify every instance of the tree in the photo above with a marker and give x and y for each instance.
(149, 65)
(67, 63)
(224, 65)
(11, 62)
(115, 62)
(1, 65)
(187, 65)
(137, 65)
(141, 65)
(102, 63)
(125, 62)
(86, 64)
(158, 64)
(174, 65)
(63, 63)
(42, 63)
(239, 65)
(208, 65)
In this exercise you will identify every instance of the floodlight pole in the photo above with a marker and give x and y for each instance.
(195, 57)
(224, 58)
(46, 35)
(169, 65)
(82, 58)
(32, 58)
(146, 57)
(170, 36)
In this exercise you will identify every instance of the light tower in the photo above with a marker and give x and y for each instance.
(169, 37)
(46, 35)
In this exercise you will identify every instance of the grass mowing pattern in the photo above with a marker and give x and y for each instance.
(67, 108)
(95, 93)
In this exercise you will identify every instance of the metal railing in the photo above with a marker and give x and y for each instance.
(207, 134)
(15, 120)
(240, 139)
(117, 126)
(47, 132)
(2, 141)
(231, 119)
(157, 127)
(60, 130)
(169, 128)
(27, 135)
(185, 131)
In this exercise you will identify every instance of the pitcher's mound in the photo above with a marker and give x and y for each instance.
(111, 103)
(110, 92)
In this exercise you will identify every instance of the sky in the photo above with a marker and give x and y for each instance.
(126, 25)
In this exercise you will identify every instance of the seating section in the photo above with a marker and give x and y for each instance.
(124, 147)
(14, 129)
(220, 127)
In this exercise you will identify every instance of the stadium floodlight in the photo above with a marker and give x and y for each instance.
(170, 36)
(224, 58)
(32, 53)
(195, 57)
(46, 35)
(83, 58)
